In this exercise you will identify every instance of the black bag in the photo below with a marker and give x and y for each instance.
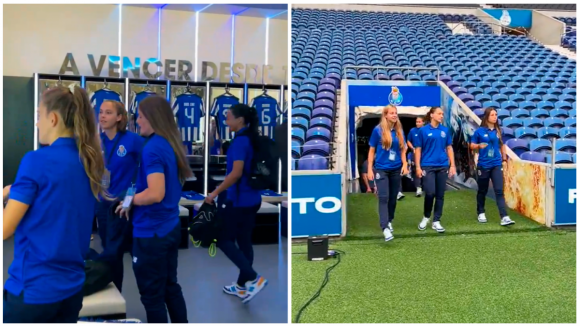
(205, 227)
(264, 167)
(97, 275)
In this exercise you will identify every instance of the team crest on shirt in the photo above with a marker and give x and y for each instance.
(395, 97)
(122, 151)
(443, 134)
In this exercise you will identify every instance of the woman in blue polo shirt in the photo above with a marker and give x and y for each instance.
(156, 231)
(387, 142)
(487, 141)
(50, 212)
(121, 149)
(411, 139)
(434, 162)
(239, 203)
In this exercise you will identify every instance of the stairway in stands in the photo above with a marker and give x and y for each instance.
(338, 113)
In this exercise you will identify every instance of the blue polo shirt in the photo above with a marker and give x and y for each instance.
(433, 143)
(240, 193)
(489, 137)
(122, 160)
(413, 135)
(54, 235)
(382, 161)
(157, 219)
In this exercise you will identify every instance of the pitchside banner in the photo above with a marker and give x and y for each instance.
(316, 205)
(565, 193)
(383, 93)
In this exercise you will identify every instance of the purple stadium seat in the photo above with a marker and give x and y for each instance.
(327, 88)
(324, 103)
(326, 96)
(519, 146)
(319, 147)
(321, 122)
(322, 112)
(313, 162)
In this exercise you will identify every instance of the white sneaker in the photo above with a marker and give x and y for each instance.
(419, 192)
(236, 290)
(254, 287)
(423, 224)
(388, 235)
(481, 218)
(438, 227)
(506, 220)
(391, 227)
(400, 196)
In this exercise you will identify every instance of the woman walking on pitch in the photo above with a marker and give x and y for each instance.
(163, 169)
(488, 142)
(386, 145)
(411, 139)
(50, 212)
(434, 162)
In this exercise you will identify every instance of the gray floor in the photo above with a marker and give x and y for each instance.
(202, 278)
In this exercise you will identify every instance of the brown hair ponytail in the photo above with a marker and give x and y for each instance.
(74, 107)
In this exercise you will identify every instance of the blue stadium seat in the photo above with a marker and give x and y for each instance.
(566, 145)
(318, 133)
(507, 134)
(554, 122)
(519, 146)
(568, 132)
(559, 113)
(321, 122)
(298, 134)
(300, 122)
(512, 122)
(570, 122)
(519, 113)
(533, 156)
(561, 158)
(540, 145)
(525, 133)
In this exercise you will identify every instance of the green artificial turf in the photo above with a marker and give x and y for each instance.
(520, 277)
(459, 216)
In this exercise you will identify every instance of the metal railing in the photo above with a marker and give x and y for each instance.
(404, 70)
(502, 29)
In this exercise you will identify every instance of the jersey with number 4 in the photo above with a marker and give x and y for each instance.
(219, 110)
(268, 112)
(188, 109)
(102, 95)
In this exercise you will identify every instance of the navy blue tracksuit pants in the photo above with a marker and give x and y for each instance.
(102, 212)
(483, 176)
(119, 236)
(434, 184)
(155, 267)
(237, 227)
(388, 183)
(18, 312)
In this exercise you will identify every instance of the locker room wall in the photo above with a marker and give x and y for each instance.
(41, 36)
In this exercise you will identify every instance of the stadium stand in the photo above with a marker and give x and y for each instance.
(533, 88)
(569, 37)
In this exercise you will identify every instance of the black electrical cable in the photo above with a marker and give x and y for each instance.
(324, 282)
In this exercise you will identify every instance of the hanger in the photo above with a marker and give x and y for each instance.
(228, 90)
(264, 90)
(188, 88)
(59, 82)
(106, 86)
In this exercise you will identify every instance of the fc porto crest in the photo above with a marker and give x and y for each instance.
(395, 97)
(505, 18)
(122, 151)
(443, 134)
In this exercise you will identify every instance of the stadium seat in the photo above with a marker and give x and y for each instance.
(519, 113)
(318, 147)
(568, 132)
(321, 122)
(540, 145)
(554, 122)
(298, 134)
(533, 156)
(566, 145)
(525, 133)
(561, 158)
(507, 134)
(313, 162)
(300, 122)
(519, 146)
(296, 148)
(512, 122)
(570, 122)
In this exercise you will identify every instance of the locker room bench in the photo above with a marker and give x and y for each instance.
(106, 304)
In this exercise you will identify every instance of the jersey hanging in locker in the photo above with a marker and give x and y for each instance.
(188, 109)
(268, 112)
(219, 110)
(137, 99)
(101, 95)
